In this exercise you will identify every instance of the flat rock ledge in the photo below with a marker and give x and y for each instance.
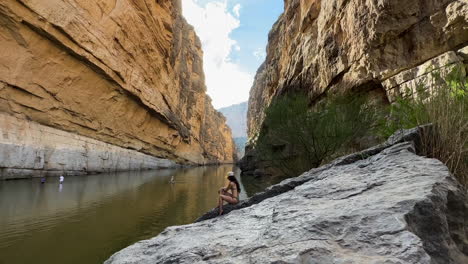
(382, 205)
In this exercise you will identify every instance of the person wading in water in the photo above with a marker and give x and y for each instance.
(230, 193)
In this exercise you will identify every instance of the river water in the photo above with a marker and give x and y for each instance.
(88, 218)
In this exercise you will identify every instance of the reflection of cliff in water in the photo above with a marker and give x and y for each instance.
(31, 198)
(91, 217)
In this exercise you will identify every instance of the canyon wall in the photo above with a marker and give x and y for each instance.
(357, 45)
(28, 149)
(236, 116)
(126, 73)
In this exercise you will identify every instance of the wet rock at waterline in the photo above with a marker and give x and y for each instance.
(392, 206)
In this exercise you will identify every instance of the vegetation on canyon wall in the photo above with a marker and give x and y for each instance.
(442, 101)
(296, 138)
(377, 47)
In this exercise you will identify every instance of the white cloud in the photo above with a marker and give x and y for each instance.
(260, 54)
(236, 10)
(227, 83)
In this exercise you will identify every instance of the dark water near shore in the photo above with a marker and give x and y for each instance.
(89, 218)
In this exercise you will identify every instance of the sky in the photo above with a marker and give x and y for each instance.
(234, 35)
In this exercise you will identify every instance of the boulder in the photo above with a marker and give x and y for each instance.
(383, 205)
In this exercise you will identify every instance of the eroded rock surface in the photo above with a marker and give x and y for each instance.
(28, 149)
(127, 73)
(319, 46)
(385, 205)
(408, 82)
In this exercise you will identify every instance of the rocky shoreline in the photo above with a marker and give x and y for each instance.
(385, 204)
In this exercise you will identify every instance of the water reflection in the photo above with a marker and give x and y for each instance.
(86, 219)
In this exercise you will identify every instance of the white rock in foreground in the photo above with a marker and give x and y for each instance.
(393, 207)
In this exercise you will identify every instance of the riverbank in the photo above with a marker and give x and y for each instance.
(29, 149)
(384, 204)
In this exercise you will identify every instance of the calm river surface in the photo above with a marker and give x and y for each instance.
(89, 218)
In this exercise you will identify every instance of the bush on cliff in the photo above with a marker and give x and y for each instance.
(443, 101)
(295, 138)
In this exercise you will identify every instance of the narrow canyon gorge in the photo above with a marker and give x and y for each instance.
(89, 87)
(385, 204)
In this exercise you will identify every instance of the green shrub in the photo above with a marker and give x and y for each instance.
(295, 139)
(442, 101)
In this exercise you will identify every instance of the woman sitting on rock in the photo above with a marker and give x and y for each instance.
(230, 193)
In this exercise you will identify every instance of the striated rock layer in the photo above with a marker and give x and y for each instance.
(28, 149)
(383, 205)
(360, 45)
(127, 73)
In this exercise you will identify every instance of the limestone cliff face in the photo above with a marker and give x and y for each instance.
(28, 149)
(318, 46)
(128, 73)
(236, 117)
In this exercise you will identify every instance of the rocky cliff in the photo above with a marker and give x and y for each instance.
(125, 73)
(28, 149)
(375, 46)
(236, 118)
(385, 204)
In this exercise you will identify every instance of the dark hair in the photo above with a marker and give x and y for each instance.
(233, 179)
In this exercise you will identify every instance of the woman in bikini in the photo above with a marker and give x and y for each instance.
(230, 193)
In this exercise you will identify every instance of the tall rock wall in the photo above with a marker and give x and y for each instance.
(127, 73)
(320, 46)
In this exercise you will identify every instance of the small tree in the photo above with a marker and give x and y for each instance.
(295, 139)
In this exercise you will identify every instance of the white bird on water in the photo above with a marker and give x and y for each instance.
(172, 180)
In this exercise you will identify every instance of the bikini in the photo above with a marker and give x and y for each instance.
(232, 196)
